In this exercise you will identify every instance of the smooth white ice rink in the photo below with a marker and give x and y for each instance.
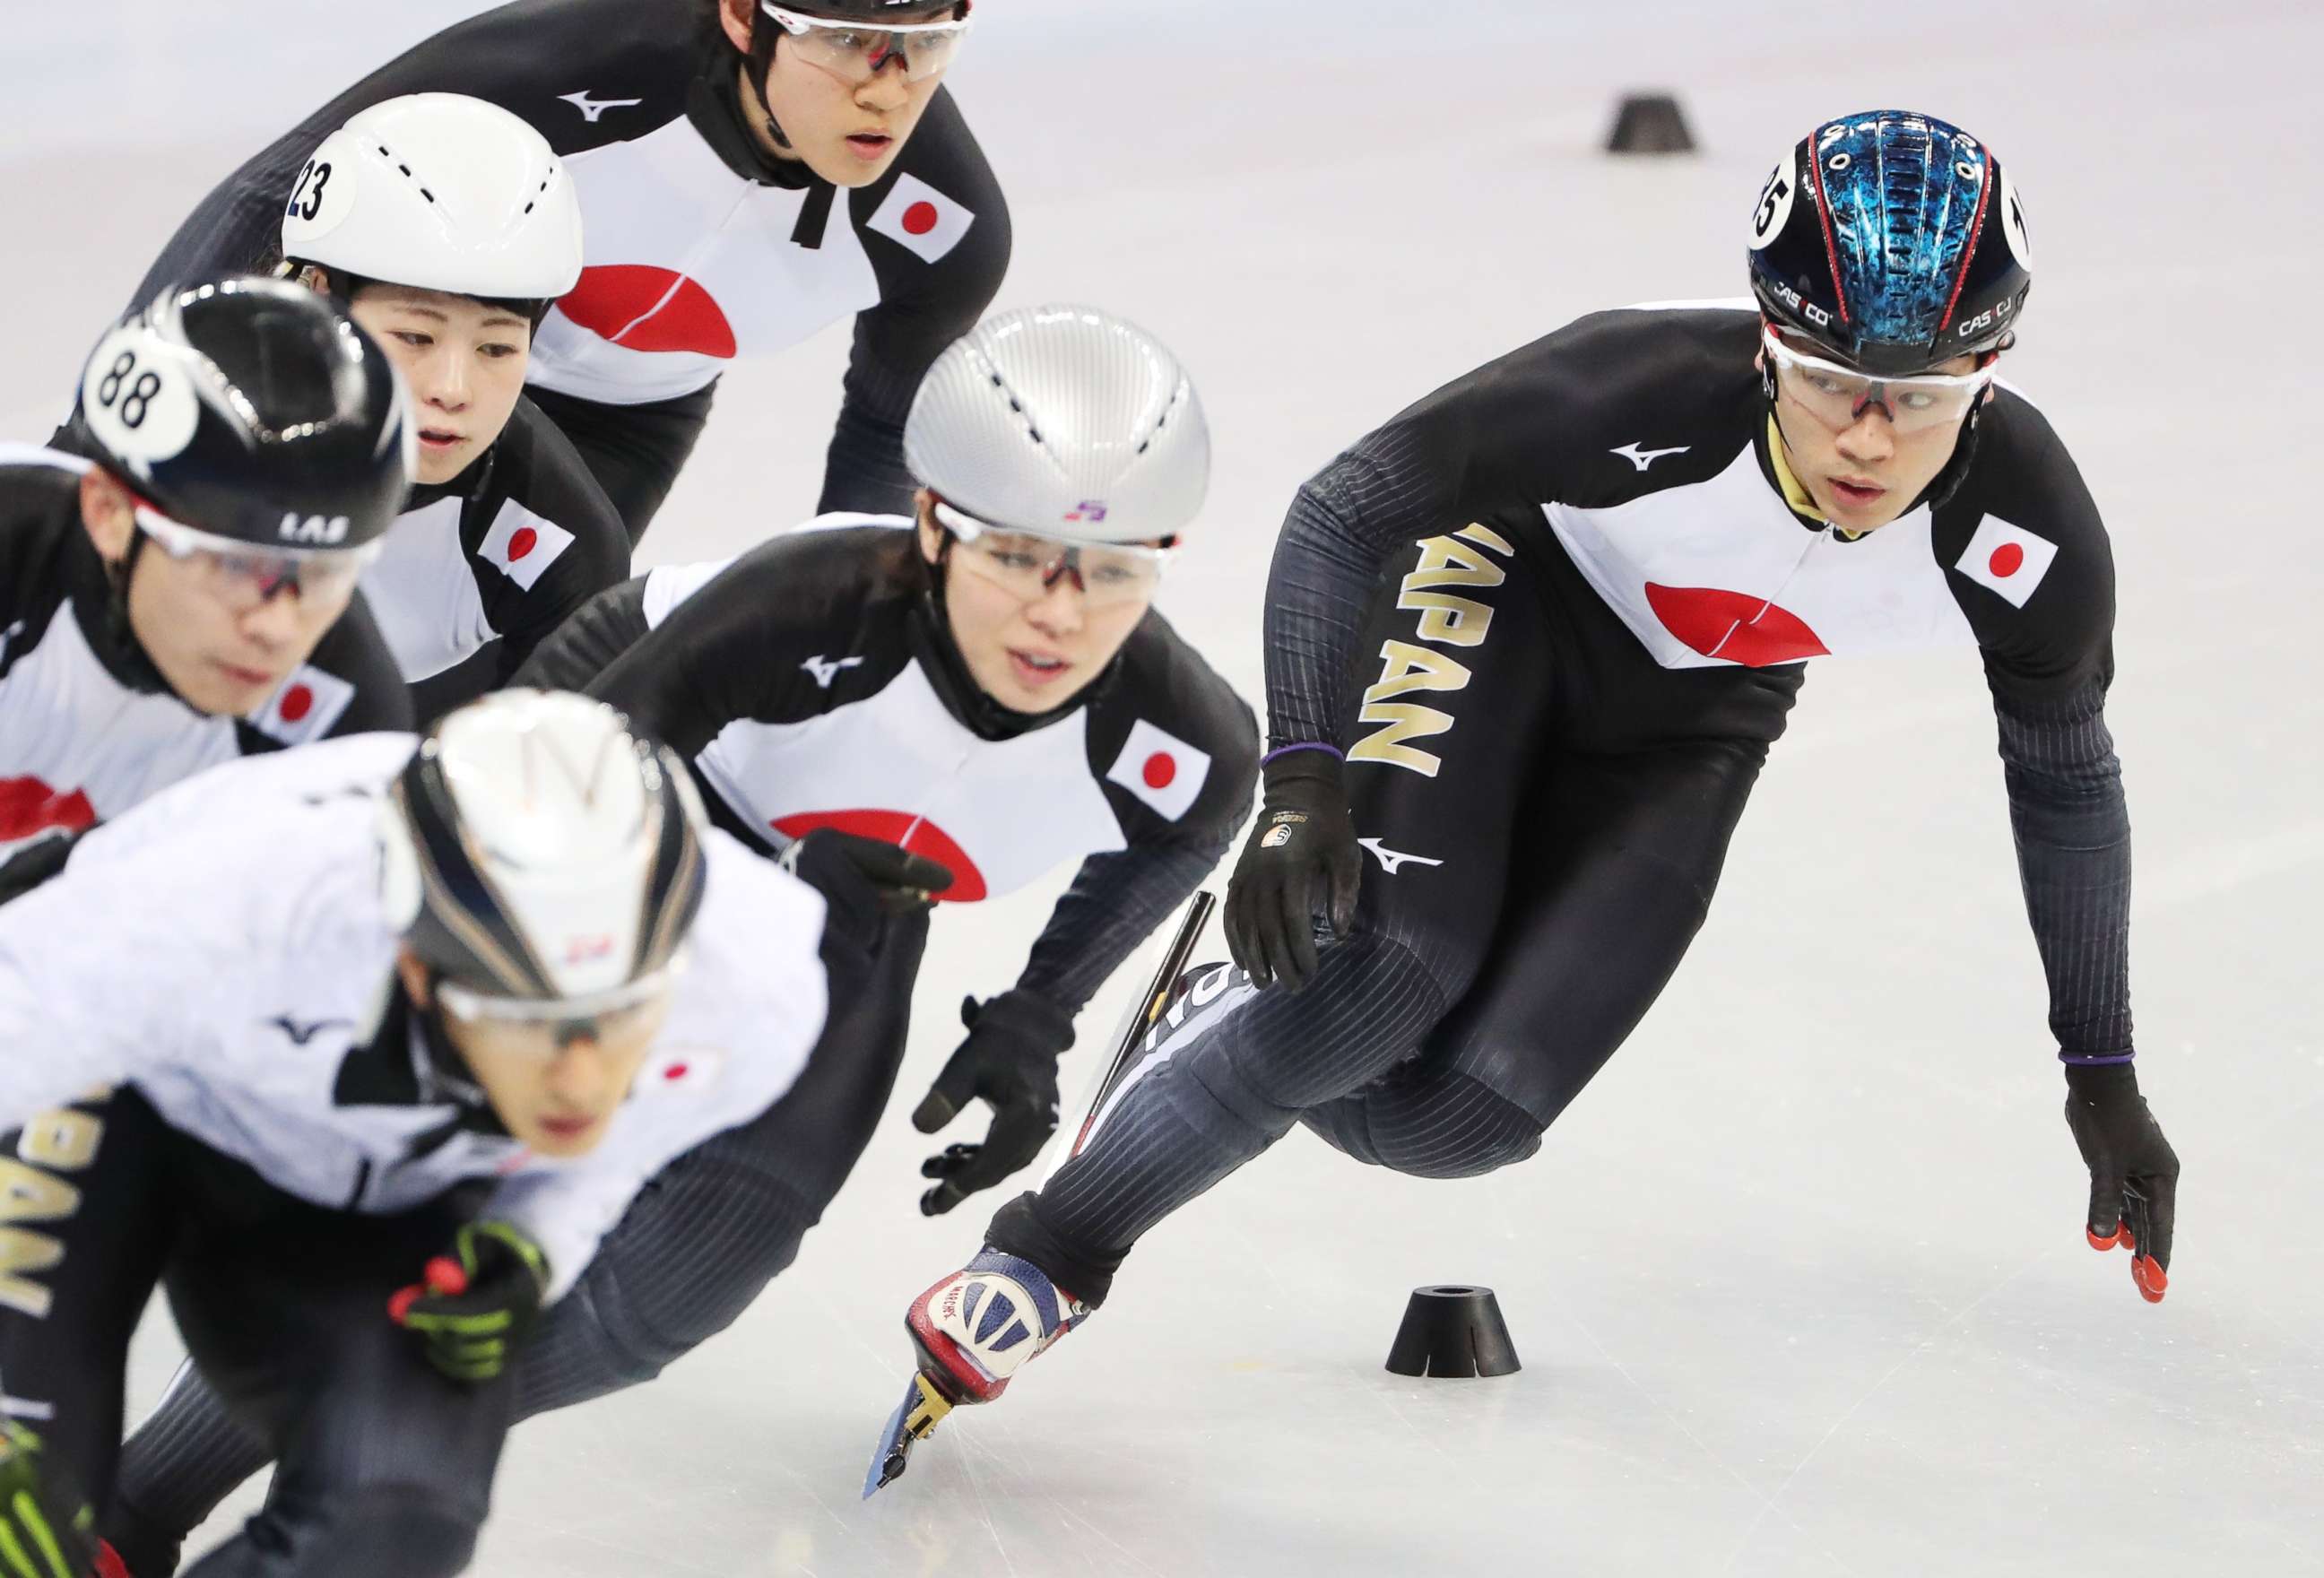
(1800, 1284)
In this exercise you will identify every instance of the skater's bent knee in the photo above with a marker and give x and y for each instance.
(381, 1531)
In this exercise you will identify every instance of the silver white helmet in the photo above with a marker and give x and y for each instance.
(1064, 421)
(440, 192)
(544, 855)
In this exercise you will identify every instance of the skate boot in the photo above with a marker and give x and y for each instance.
(973, 1330)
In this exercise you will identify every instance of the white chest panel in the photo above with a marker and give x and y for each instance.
(78, 746)
(898, 767)
(689, 266)
(1721, 572)
(423, 595)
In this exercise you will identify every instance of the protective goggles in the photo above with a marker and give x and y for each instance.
(598, 1012)
(1028, 566)
(1837, 397)
(853, 52)
(243, 576)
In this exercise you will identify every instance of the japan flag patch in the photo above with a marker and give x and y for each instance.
(521, 545)
(2008, 559)
(680, 1068)
(917, 216)
(309, 702)
(1160, 769)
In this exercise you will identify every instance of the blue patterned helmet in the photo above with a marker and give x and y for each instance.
(1893, 240)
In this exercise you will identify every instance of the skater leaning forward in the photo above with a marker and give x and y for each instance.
(1601, 563)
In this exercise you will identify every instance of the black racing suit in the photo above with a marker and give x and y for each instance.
(88, 726)
(1553, 709)
(477, 572)
(811, 685)
(699, 248)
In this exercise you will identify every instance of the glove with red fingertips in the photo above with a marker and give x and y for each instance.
(475, 1306)
(2134, 1171)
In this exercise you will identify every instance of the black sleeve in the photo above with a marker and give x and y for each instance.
(2049, 664)
(1115, 902)
(923, 308)
(1117, 899)
(1474, 447)
(36, 862)
(353, 650)
(523, 57)
(737, 647)
(537, 469)
(585, 645)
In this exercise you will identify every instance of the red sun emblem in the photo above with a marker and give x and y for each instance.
(649, 309)
(297, 703)
(1734, 626)
(28, 806)
(914, 833)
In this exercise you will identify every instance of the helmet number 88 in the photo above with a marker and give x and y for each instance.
(141, 394)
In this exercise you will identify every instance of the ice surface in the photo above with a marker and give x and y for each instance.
(1800, 1283)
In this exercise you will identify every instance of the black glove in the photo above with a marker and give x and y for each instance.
(864, 881)
(1011, 1060)
(42, 1533)
(2134, 1171)
(479, 1303)
(1302, 851)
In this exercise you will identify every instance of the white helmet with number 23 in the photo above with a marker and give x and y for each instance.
(443, 192)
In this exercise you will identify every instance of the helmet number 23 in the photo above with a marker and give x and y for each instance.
(307, 196)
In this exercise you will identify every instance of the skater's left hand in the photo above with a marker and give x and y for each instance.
(2134, 1171)
(1011, 1060)
(38, 1537)
(479, 1303)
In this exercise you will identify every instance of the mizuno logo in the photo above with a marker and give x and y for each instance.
(1641, 459)
(301, 1034)
(594, 108)
(826, 670)
(1391, 861)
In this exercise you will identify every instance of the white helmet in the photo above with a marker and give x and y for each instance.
(543, 854)
(1062, 421)
(443, 192)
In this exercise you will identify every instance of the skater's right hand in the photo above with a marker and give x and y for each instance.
(38, 1537)
(1301, 860)
(2134, 1171)
(864, 880)
(479, 1303)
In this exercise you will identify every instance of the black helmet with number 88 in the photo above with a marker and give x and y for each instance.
(249, 409)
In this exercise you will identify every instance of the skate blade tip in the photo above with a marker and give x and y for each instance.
(914, 1419)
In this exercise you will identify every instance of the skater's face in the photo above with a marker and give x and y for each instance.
(463, 360)
(1032, 655)
(223, 639)
(1867, 473)
(555, 1086)
(846, 131)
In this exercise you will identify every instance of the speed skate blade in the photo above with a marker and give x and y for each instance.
(922, 1408)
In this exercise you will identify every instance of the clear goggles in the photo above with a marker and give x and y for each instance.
(603, 1015)
(1030, 565)
(853, 52)
(1837, 397)
(243, 574)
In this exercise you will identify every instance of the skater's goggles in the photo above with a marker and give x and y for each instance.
(1837, 397)
(243, 574)
(1029, 565)
(853, 52)
(606, 1015)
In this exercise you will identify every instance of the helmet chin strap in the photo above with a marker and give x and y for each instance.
(761, 64)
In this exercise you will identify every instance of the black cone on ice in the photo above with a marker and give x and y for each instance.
(1452, 1331)
(1649, 123)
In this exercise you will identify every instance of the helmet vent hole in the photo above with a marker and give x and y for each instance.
(1966, 171)
(428, 195)
(528, 207)
(1837, 162)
